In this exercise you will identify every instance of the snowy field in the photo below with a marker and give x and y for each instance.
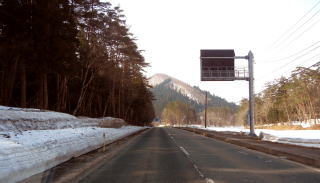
(309, 138)
(32, 141)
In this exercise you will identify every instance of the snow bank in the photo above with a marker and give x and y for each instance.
(34, 140)
(309, 138)
(20, 119)
(34, 151)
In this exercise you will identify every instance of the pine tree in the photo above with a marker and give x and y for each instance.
(72, 56)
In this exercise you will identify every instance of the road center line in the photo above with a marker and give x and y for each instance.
(184, 151)
(208, 180)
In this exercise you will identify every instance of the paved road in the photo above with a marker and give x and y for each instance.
(173, 155)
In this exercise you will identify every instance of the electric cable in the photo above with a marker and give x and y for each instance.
(306, 30)
(297, 53)
(288, 30)
(297, 58)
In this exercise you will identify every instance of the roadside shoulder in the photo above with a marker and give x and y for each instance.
(305, 155)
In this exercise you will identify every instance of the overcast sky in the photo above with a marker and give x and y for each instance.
(172, 32)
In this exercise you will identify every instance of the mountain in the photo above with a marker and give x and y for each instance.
(177, 85)
(167, 89)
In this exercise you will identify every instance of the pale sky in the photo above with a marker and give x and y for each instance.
(172, 32)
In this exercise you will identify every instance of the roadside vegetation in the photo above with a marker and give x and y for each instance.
(286, 103)
(72, 56)
(296, 98)
(179, 113)
(220, 116)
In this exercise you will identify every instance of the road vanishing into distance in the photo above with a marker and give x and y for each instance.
(165, 155)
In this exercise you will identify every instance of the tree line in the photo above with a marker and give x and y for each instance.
(74, 56)
(220, 116)
(179, 113)
(164, 95)
(296, 98)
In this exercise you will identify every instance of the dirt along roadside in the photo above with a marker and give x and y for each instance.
(78, 167)
(305, 155)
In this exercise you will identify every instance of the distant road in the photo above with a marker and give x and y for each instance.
(173, 155)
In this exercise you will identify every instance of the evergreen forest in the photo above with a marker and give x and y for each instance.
(73, 56)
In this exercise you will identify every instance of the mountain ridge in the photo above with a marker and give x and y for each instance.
(178, 85)
(168, 89)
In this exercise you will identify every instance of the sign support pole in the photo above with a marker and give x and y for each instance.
(212, 60)
(251, 93)
(205, 111)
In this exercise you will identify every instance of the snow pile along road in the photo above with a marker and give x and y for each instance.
(308, 138)
(25, 151)
(20, 119)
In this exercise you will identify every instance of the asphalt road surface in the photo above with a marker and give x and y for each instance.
(162, 155)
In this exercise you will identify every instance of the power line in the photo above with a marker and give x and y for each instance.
(288, 30)
(297, 37)
(300, 27)
(297, 53)
(297, 58)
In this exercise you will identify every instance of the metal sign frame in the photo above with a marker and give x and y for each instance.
(217, 65)
(249, 78)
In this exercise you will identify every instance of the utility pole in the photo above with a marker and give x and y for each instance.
(205, 111)
(251, 93)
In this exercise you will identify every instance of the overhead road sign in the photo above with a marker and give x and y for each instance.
(218, 65)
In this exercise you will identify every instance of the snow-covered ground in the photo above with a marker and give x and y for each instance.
(32, 141)
(309, 138)
(303, 124)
